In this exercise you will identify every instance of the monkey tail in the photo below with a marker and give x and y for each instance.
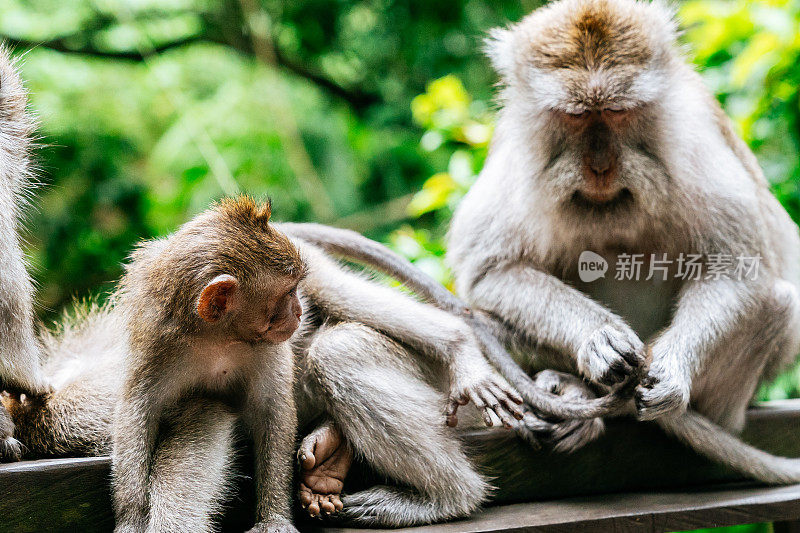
(719, 445)
(354, 246)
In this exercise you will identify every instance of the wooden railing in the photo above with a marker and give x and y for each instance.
(633, 478)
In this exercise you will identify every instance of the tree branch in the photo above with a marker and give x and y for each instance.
(61, 45)
(357, 100)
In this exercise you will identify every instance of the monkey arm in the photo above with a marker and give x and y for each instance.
(541, 307)
(272, 419)
(19, 349)
(707, 311)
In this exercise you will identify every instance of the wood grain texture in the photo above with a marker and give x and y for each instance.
(633, 479)
(657, 512)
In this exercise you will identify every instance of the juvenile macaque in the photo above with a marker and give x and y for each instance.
(380, 378)
(607, 141)
(208, 311)
(19, 350)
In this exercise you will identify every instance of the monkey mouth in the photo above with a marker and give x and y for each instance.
(602, 202)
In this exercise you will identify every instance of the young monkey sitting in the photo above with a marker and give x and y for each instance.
(208, 311)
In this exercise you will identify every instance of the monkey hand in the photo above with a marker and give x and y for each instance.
(496, 399)
(560, 435)
(278, 524)
(661, 393)
(610, 354)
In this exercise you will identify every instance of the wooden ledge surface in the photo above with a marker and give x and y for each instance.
(633, 478)
(628, 512)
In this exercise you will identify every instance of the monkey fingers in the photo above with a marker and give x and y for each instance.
(611, 354)
(451, 412)
(10, 448)
(493, 407)
(509, 398)
(656, 397)
(498, 402)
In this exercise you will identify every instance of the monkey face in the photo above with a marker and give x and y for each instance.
(583, 82)
(283, 315)
(275, 312)
(268, 311)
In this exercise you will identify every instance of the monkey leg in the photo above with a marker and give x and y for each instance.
(392, 418)
(764, 341)
(325, 458)
(192, 467)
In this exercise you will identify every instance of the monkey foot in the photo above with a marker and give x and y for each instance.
(325, 459)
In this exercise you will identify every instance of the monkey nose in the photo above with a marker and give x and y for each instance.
(599, 168)
(599, 165)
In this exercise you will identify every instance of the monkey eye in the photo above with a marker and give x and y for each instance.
(577, 114)
(615, 111)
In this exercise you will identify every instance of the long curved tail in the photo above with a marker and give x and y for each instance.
(355, 247)
(717, 444)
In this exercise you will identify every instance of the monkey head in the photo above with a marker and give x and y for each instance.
(582, 80)
(227, 272)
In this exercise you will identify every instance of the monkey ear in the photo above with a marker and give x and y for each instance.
(217, 298)
(499, 48)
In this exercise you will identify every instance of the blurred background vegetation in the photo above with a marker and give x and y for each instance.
(368, 114)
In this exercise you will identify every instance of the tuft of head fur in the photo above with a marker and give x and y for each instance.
(232, 237)
(574, 54)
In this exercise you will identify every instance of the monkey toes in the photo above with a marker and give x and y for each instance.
(611, 354)
(325, 458)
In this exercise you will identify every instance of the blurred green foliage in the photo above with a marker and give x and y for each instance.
(747, 528)
(151, 109)
(369, 114)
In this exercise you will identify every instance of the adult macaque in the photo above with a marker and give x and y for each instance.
(379, 374)
(19, 349)
(607, 141)
(207, 312)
